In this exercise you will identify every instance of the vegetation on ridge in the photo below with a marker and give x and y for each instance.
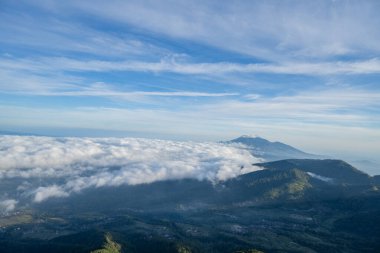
(109, 246)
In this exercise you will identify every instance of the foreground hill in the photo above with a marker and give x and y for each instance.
(279, 181)
(328, 170)
(288, 206)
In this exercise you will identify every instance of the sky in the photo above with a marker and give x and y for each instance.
(303, 72)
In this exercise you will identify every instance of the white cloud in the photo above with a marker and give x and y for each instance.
(8, 205)
(54, 191)
(80, 163)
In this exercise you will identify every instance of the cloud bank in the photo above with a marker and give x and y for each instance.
(68, 165)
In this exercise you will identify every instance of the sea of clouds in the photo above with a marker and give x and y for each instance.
(65, 166)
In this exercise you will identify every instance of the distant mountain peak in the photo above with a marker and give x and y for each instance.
(250, 139)
(271, 151)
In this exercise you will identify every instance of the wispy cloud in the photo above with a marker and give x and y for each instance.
(306, 118)
(65, 36)
(334, 107)
(171, 65)
(28, 81)
(285, 29)
(136, 94)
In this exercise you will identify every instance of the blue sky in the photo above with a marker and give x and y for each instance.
(303, 72)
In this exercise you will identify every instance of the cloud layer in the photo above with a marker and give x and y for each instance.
(68, 165)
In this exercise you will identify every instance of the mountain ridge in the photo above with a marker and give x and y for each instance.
(284, 180)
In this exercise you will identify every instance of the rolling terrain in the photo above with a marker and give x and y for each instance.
(296, 205)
